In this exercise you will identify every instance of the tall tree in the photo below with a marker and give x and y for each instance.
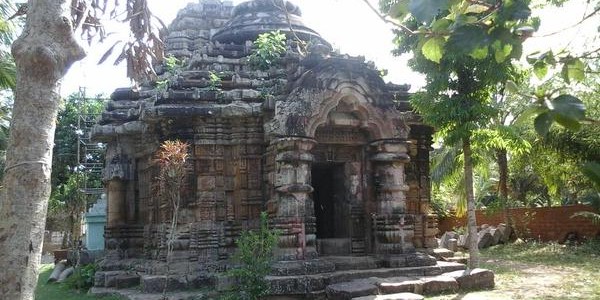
(43, 54)
(464, 48)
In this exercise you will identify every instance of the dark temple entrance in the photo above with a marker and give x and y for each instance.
(331, 208)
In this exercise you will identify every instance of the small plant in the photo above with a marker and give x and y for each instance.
(171, 159)
(269, 48)
(254, 254)
(82, 278)
(173, 67)
(214, 81)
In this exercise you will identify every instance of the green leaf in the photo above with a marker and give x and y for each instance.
(576, 70)
(466, 39)
(465, 19)
(399, 10)
(479, 53)
(440, 25)
(542, 123)
(516, 10)
(540, 69)
(433, 49)
(502, 52)
(568, 111)
(426, 10)
(564, 73)
(476, 8)
(525, 116)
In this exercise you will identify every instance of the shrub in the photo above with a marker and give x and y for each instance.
(82, 278)
(254, 256)
(269, 48)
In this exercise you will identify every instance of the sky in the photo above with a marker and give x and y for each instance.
(350, 26)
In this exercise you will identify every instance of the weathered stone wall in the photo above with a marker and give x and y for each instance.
(194, 25)
(544, 223)
(255, 137)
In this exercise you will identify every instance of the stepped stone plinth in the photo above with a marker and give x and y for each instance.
(337, 158)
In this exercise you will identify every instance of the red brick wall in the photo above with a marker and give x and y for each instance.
(545, 223)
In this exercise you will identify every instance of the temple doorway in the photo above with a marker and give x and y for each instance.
(332, 209)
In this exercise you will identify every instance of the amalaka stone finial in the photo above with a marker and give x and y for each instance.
(259, 16)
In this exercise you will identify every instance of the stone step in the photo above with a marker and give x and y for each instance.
(441, 253)
(136, 294)
(399, 296)
(406, 287)
(302, 284)
(457, 259)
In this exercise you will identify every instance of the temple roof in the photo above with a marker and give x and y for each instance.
(249, 19)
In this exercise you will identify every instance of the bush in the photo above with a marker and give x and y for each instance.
(82, 278)
(254, 255)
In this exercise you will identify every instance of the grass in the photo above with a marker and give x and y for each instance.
(540, 271)
(55, 291)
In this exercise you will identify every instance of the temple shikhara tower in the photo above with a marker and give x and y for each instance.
(334, 155)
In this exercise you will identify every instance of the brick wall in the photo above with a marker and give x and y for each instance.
(543, 223)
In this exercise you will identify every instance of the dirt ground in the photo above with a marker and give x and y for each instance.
(533, 281)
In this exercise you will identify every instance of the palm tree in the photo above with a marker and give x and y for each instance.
(7, 74)
(7, 35)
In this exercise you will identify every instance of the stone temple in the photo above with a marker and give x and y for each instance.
(334, 155)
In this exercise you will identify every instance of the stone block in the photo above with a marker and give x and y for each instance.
(506, 233)
(441, 253)
(65, 274)
(399, 261)
(398, 296)
(453, 245)
(496, 236)
(127, 280)
(484, 238)
(110, 278)
(458, 259)
(351, 263)
(315, 266)
(349, 290)
(58, 268)
(156, 283)
(200, 280)
(439, 284)
(449, 266)
(287, 285)
(474, 279)
(99, 279)
(463, 242)
(399, 285)
(419, 259)
(447, 236)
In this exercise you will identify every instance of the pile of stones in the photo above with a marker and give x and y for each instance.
(487, 236)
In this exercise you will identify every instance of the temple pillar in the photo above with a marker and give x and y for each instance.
(393, 228)
(116, 202)
(293, 215)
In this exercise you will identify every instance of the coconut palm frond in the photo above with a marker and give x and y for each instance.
(445, 161)
(8, 72)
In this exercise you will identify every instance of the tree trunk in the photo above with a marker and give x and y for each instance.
(471, 219)
(502, 160)
(43, 54)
